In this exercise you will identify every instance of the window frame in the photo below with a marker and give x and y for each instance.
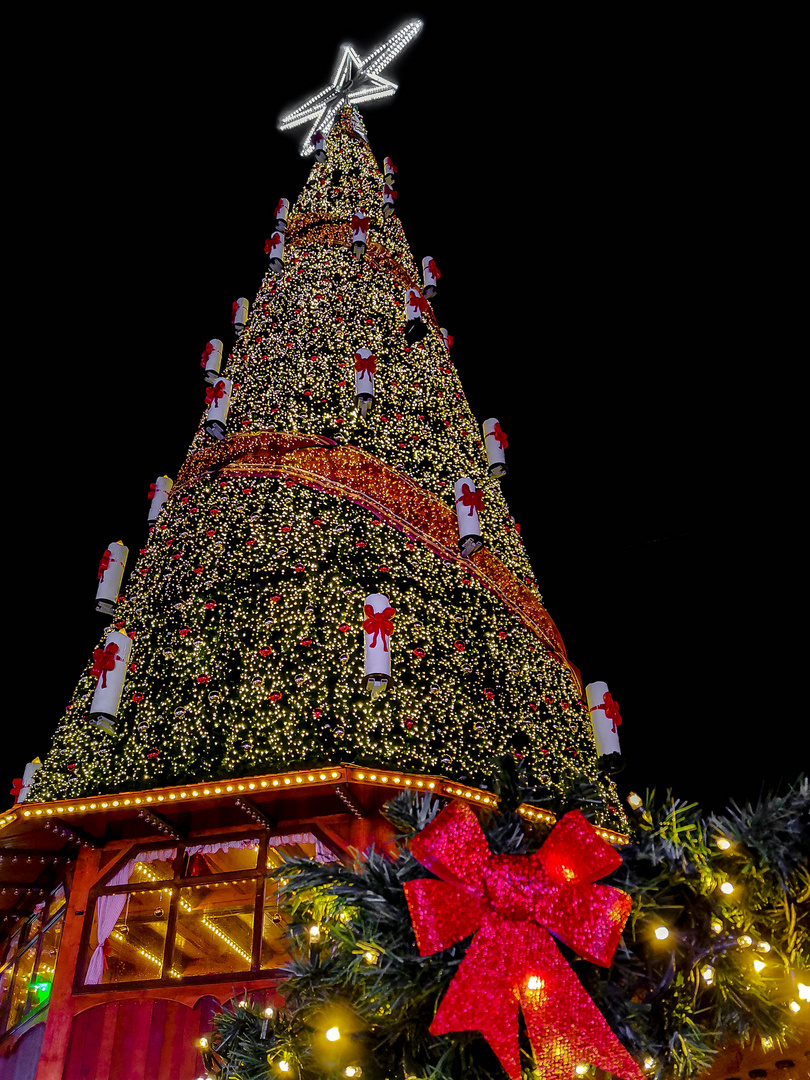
(176, 883)
(27, 941)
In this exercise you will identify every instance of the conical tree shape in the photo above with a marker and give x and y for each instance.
(246, 606)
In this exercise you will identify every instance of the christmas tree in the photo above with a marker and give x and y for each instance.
(248, 607)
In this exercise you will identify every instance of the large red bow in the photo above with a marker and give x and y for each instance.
(379, 622)
(611, 709)
(104, 564)
(271, 243)
(433, 269)
(359, 224)
(499, 435)
(367, 365)
(16, 787)
(214, 393)
(389, 191)
(152, 491)
(418, 301)
(104, 661)
(513, 904)
(280, 207)
(317, 138)
(209, 348)
(472, 498)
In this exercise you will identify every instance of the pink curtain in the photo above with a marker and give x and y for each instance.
(110, 906)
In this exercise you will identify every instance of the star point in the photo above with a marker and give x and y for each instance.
(356, 80)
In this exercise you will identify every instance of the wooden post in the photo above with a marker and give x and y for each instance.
(60, 1008)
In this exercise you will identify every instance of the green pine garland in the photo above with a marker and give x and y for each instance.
(673, 1000)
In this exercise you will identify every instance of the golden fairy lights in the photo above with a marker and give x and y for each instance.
(245, 605)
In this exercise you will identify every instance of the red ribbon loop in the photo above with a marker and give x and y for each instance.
(513, 904)
(433, 269)
(280, 207)
(215, 393)
(271, 243)
(104, 564)
(379, 622)
(472, 498)
(209, 348)
(359, 224)
(104, 661)
(417, 300)
(16, 787)
(499, 435)
(611, 709)
(367, 365)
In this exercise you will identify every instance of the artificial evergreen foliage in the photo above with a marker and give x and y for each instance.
(674, 1002)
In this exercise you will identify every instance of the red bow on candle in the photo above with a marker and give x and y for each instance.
(104, 564)
(499, 435)
(279, 208)
(104, 661)
(513, 904)
(317, 138)
(417, 300)
(234, 309)
(152, 492)
(359, 224)
(389, 192)
(209, 348)
(367, 365)
(433, 269)
(473, 499)
(215, 393)
(611, 708)
(16, 787)
(379, 622)
(271, 243)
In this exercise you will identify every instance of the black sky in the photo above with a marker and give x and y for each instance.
(589, 193)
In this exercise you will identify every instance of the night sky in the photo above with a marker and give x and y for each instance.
(590, 203)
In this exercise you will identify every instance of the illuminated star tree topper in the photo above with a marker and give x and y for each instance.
(355, 80)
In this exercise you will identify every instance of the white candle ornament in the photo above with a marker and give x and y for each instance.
(240, 309)
(218, 400)
(158, 495)
(274, 249)
(377, 627)
(495, 443)
(110, 670)
(604, 712)
(110, 576)
(359, 224)
(415, 304)
(430, 275)
(282, 213)
(389, 171)
(365, 365)
(469, 501)
(212, 360)
(319, 146)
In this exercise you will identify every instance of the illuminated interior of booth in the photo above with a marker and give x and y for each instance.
(197, 909)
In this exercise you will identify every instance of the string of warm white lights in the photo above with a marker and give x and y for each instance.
(245, 607)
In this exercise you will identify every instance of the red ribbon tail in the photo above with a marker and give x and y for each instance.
(564, 1026)
(482, 997)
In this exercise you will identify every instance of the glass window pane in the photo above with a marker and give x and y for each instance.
(41, 985)
(58, 901)
(6, 977)
(215, 928)
(134, 948)
(221, 857)
(274, 945)
(19, 991)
